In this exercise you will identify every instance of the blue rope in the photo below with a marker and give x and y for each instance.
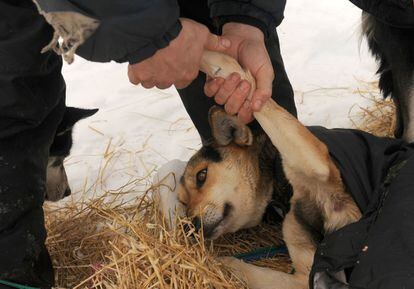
(262, 253)
(15, 285)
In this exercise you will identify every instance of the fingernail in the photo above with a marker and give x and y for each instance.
(257, 105)
(225, 42)
(244, 86)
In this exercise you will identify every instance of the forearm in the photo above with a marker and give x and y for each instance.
(263, 14)
(116, 30)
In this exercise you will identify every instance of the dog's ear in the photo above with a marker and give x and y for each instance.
(226, 128)
(74, 114)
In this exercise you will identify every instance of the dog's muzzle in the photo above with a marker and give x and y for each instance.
(207, 225)
(68, 192)
(208, 229)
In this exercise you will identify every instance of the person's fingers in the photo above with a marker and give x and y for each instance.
(245, 113)
(237, 98)
(192, 74)
(164, 85)
(163, 80)
(183, 76)
(229, 85)
(148, 83)
(264, 80)
(132, 77)
(140, 73)
(216, 43)
(212, 85)
(182, 84)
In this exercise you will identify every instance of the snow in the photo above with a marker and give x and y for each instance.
(139, 130)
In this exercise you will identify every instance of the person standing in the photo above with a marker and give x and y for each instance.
(162, 40)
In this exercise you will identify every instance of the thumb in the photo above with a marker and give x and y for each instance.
(216, 43)
(264, 84)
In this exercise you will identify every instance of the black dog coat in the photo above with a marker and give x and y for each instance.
(377, 251)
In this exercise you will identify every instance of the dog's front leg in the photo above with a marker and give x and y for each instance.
(301, 249)
(264, 278)
(301, 151)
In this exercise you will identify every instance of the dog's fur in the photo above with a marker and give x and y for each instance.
(57, 186)
(226, 187)
(393, 48)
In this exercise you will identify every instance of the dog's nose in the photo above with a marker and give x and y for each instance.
(196, 223)
(186, 228)
(67, 192)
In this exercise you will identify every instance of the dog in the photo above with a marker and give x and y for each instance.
(228, 185)
(393, 47)
(57, 186)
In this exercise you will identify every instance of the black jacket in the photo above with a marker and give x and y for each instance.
(398, 13)
(377, 251)
(135, 30)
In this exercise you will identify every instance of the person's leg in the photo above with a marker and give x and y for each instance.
(198, 104)
(32, 102)
(24, 258)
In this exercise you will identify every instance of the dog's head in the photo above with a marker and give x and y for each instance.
(223, 188)
(57, 186)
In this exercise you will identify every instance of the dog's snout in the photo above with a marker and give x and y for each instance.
(67, 192)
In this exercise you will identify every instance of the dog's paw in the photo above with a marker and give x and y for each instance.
(250, 274)
(230, 261)
(165, 191)
(237, 266)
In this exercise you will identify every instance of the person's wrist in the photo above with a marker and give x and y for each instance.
(244, 30)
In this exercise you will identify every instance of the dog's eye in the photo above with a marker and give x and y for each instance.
(201, 177)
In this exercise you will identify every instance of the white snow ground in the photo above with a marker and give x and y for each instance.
(146, 128)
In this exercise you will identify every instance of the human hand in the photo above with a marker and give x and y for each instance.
(179, 62)
(248, 48)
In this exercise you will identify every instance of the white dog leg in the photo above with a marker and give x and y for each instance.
(264, 278)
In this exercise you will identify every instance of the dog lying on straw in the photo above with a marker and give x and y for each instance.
(347, 196)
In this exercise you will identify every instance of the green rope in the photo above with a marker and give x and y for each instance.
(15, 285)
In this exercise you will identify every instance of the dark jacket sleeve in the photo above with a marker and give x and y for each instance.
(129, 30)
(264, 14)
(399, 13)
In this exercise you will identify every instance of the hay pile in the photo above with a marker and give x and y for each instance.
(379, 117)
(108, 243)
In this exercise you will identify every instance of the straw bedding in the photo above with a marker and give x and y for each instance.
(107, 242)
(110, 244)
(379, 118)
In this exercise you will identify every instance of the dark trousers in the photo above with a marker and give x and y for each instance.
(32, 102)
(198, 104)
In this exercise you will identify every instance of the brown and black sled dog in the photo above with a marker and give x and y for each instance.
(227, 186)
(237, 191)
